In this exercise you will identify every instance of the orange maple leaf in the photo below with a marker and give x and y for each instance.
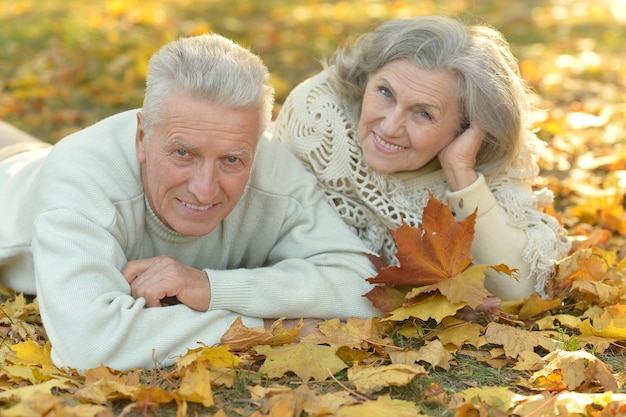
(440, 249)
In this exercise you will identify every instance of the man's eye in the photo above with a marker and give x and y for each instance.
(181, 152)
(232, 159)
(424, 114)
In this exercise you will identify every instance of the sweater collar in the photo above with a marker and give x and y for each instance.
(160, 229)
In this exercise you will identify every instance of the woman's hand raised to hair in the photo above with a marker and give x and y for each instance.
(458, 159)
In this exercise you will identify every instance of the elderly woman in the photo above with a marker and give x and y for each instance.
(429, 104)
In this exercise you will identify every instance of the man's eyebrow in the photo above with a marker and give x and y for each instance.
(183, 144)
(238, 152)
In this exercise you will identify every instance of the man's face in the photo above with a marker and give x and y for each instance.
(197, 162)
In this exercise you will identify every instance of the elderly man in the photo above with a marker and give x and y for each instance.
(185, 201)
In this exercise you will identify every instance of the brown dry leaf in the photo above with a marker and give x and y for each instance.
(514, 340)
(240, 337)
(306, 361)
(383, 406)
(440, 249)
(433, 353)
(529, 361)
(353, 334)
(368, 380)
(564, 269)
(386, 297)
(598, 292)
(258, 392)
(579, 370)
(103, 384)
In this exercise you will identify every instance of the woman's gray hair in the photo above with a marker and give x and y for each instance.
(209, 67)
(491, 92)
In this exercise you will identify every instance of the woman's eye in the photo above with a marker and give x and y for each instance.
(384, 91)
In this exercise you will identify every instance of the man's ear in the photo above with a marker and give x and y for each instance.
(140, 141)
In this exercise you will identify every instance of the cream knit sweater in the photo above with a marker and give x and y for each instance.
(510, 227)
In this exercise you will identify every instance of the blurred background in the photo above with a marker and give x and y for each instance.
(65, 64)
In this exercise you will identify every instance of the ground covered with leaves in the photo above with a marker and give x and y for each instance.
(67, 64)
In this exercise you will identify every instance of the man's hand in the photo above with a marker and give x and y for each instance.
(161, 277)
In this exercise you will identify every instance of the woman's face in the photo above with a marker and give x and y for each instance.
(408, 115)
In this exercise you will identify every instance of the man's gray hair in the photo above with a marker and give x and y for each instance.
(209, 67)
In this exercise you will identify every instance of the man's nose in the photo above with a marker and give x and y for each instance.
(204, 183)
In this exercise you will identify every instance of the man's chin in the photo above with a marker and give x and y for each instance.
(194, 229)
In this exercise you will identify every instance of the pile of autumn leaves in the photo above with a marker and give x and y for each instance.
(430, 299)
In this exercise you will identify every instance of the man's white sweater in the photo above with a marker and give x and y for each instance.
(72, 216)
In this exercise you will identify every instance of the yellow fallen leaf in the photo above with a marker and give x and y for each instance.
(32, 354)
(496, 397)
(195, 384)
(42, 404)
(33, 399)
(218, 356)
(536, 305)
(609, 331)
(459, 334)
(435, 306)
(467, 287)
(384, 406)
(558, 321)
(603, 316)
(368, 380)
(529, 361)
(306, 361)
(573, 403)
